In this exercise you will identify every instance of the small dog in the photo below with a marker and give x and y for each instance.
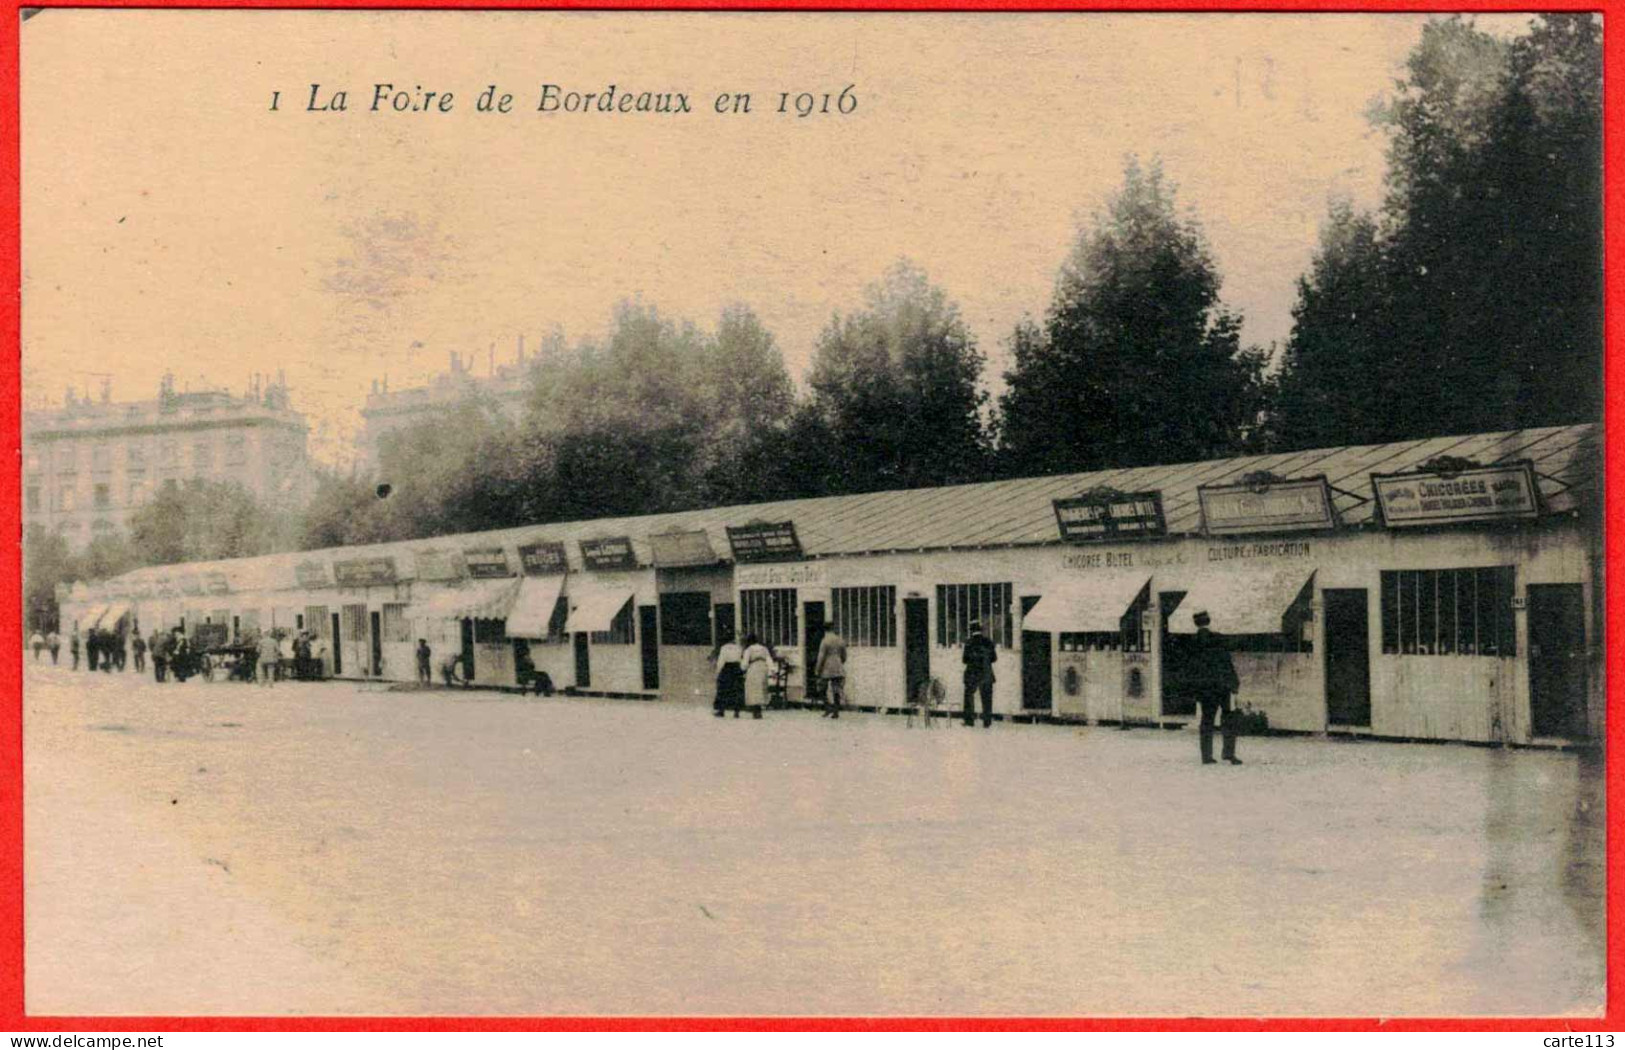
(927, 698)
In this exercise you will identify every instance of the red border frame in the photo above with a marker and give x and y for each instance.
(12, 1017)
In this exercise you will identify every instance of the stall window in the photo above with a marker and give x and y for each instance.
(866, 616)
(394, 625)
(316, 616)
(958, 604)
(1444, 612)
(685, 618)
(620, 629)
(770, 615)
(488, 632)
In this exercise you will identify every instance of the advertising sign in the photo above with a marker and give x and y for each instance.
(440, 564)
(545, 558)
(609, 553)
(190, 584)
(1475, 494)
(765, 541)
(364, 572)
(311, 574)
(1274, 506)
(487, 563)
(1110, 515)
(674, 550)
(216, 583)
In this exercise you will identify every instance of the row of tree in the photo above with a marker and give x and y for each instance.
(1469, 301)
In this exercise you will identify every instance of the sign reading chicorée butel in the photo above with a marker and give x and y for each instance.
(1267, 506)
(543, 558)
(609, 553)
(1498, 493)
(1109, 514)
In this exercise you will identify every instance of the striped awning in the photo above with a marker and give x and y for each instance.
(474, 600)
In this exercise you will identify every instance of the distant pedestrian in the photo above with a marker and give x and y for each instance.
(1211, 678)
(730, 665)
(270, 654)
(138, 648)
(53, 642)
(830, 668)
(426, 663)
(758, 663)
(979, 657)
(73, 648)
(38, 642)
(449, 670)
(160, 655)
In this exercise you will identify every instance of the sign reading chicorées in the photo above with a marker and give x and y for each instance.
(1475, 494)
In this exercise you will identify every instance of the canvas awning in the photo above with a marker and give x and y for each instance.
(533, 607)
(595, 608)
(112, 614)
(1085, 604)
(474, 600)
(91, 616)
(1239, 602)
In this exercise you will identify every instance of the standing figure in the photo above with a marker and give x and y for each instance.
(270, 654)
(1212, 679)
(160, 655)
(730, 665)
(38, 643)
(758, 660)
(979, 657)
(73, 648)
(53, 642)
(425, 663)
(830, 667)
(138, 649)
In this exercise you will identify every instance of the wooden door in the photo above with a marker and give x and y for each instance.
(1037, 668)
(649, 639)
(1557, 661)
(1348, 657)
(916, 645)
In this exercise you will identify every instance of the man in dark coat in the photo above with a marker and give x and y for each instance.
(1211, 678)
(159, 647)
(979, 657)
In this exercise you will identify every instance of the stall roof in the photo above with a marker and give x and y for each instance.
(1017, 512)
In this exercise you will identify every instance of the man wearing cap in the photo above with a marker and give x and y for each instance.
(980, 656)
(1212, 680)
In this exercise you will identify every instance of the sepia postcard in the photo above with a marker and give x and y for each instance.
(821, 514)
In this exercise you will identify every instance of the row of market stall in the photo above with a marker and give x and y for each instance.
(1442, 589)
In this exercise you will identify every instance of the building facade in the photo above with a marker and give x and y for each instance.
(1439, 589)
(504, 387)
(90, 463)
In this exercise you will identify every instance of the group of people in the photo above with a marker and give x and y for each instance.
(48, 641)
(742, 676)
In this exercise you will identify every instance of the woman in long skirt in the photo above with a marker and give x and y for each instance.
(758, 661)
(730, 679)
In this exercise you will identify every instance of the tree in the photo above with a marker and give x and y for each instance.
(750, 401)
(1473, 301)
(896, 387)
(204, 521)
(47, 562)
(1137, 361)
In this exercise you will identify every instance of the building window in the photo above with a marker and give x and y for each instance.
(394, 625)
(960, 604)
(65, 498)
(1133, 636)
(135, 457)
(33, 499)
(104, 495)
(1449, 612)
(620, 629)
(770, 615)
(490, 632)
(67, 457)
(866, 616)
(101, 458)
(236, 450)
(685, 618)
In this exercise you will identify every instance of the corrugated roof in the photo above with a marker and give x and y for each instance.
(1567, 462)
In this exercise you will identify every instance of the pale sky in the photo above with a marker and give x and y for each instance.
(171, 220)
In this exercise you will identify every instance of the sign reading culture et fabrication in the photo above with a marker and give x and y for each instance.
(487, 563)
(1473, 494)
(609, 553)
(364, 572)
(765, 541)
(544, 558)
(1276, 506)
(1110, 515)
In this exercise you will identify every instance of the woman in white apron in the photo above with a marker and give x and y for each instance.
(758, 662)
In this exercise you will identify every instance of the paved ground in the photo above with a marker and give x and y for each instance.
(218, 848)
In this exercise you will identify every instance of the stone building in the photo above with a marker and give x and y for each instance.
(89, 463)
(506, 387)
